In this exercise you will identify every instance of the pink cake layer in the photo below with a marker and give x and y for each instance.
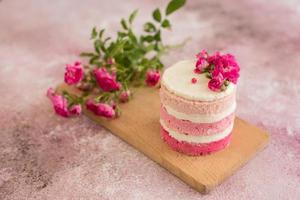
(183, 105)
(191, 128)
(195, 149)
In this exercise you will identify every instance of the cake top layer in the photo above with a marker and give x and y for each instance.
(177, 79)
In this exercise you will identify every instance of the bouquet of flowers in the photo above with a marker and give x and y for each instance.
(115, 66)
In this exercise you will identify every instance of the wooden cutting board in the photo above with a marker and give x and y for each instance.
(139, 127)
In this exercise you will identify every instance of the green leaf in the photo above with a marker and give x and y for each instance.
(93, 59)
(156, 15)
(94, 33)
(117, 47)
(124, 24)
(157, 36)
(101, 33)
(150, 47)
(148, 38)
(132, 36)
(149, 27)
(132, 16)
(174, 5)
(122, 34)
(166, 24)
(97, 45)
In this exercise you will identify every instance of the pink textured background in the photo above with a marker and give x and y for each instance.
(43, 156)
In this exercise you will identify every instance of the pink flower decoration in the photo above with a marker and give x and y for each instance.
(201, 63)
(60, 105)
(124, 96)
(101, 109)
(229, 67)
(215, 84)
(194, 80)
(152, 78)
(222, 68)
(106, 81)
(74, 73)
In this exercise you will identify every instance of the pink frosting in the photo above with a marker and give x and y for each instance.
(195, 107)
(187, 127)
(195, 149)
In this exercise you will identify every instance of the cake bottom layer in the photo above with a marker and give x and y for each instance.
(195, 149)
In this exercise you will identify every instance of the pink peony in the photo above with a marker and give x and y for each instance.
(215, 84)
(152, 77)
(227, 65)
(74, 73)
(201, 63)
(124, 96)
(101, 109)
(106, 81)
(230, 68)
(60, 105)
(214, 59)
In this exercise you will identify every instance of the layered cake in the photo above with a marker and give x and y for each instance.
(198, 103)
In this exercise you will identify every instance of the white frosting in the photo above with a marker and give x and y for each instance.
(177, 79)
(197, 118)
(197, 138)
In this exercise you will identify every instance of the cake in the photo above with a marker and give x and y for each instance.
(195, 118)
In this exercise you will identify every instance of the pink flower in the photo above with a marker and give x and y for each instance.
(230, 68)
(110, 61)
(60, 105)
(101, 109)
(227, 65)
(152, 78)
(215, 84)
(201, 63)
(194, 80)
(106, 81)
(215, 58)
(75, 110)
(74, 73)
(124, 96)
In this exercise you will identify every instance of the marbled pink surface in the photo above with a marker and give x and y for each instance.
(47, 157)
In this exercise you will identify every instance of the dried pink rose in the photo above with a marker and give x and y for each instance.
(106, 81)
(201, 63)
(124, 96)
(60, 105)
(74, 73)
(101, 109)
(152, 77)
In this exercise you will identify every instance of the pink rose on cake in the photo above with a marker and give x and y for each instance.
(215, 84)
(201, 63)
(221, 69)
(106, 81)
(74, 73)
